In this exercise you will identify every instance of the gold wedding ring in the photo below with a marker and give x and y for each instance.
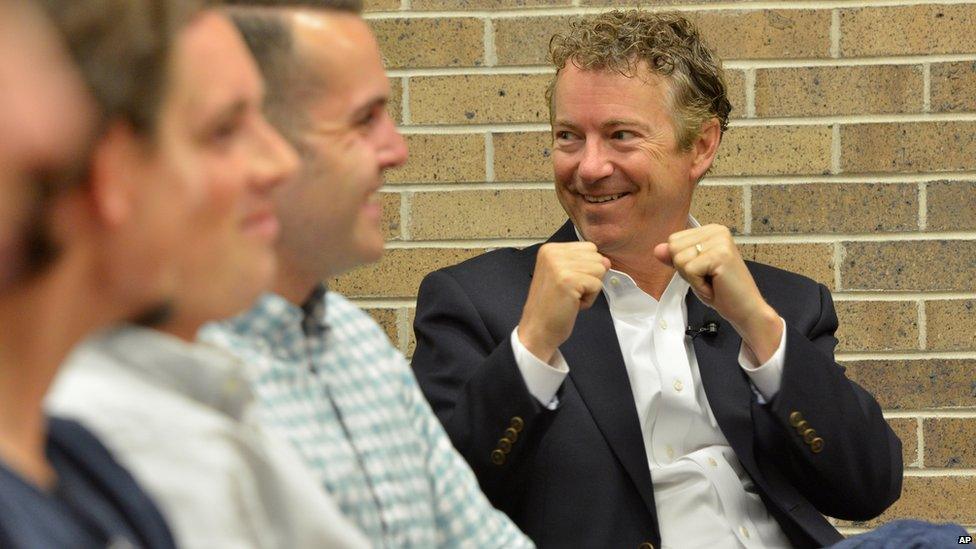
(699, 248)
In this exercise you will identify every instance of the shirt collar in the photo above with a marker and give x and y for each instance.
(201, 372)
(313, 311)
(625, 297)
(271, 317)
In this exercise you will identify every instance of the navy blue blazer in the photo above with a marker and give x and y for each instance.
(578, 476)
(31, 519)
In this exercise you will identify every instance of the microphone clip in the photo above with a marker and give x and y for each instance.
(709, 328)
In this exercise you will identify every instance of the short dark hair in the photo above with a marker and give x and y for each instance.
(355, 6)
(122, 49)
(269, 36)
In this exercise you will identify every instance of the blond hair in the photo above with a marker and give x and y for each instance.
(668, 45)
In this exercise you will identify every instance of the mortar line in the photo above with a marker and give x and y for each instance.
(835, 33)
(730, 64)
(839, 253)
(927, 87)
(406, 215)
(489, 157)
(750, 84)
(920, 434)
(405, 101)
(717, 181)
(747, 209)
(923, 206)
(922, 325)
(835, 149)
(727, 6)
(491, 53)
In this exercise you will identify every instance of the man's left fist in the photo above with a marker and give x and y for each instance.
(708, 259)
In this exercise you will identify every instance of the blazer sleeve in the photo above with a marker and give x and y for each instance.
(854, 471)
(469, 375)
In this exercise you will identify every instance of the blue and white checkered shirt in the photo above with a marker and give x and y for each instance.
(348, 401)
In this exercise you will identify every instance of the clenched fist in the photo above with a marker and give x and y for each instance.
(708, 259)
(568, 278)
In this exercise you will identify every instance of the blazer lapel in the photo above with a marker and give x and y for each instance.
(598, 371)
(726, 385)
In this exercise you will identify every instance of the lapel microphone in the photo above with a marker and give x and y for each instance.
(709, 326)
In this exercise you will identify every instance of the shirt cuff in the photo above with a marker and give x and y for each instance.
(543, 380)
(769, 376)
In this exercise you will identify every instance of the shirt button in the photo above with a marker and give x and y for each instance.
(663, 324)
(678, 385)
(670, 452)
(712, 462)
(745, 531)
(614, 281)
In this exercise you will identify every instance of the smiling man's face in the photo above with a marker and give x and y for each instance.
(331, 212)
(620, 174)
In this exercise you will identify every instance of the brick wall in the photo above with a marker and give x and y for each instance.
(851, 159)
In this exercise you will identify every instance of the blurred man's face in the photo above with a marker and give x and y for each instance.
(331, 214)
(229, 255)
(46, 117)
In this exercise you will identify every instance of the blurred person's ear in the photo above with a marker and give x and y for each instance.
(113, 173)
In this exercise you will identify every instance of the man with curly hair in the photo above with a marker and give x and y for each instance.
(633, 381)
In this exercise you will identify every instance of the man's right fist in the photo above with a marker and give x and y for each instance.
(568, 278)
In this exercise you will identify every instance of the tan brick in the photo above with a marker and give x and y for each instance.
(951, 205)
(771, 150)
(485, 214)
(834, 208)
(395, 104)
(479, 99)
(399, 273)
(431, 42)
(442, 159)
(523, 156)
(391, 215)
(525, 40)
(950, 442)
(951, 324)
(907, 431)
(387, 319)
(381, 5)
(920, 146)
(907, 30)
(940, 265)
(636, 3)
(735, 89)
(484, 4)
(812, 260)
(824, 91)
(766, 34)
(917, 384)
(733, 35)
(877, 326)
(720, 204)
(933, 499)
(952, 87)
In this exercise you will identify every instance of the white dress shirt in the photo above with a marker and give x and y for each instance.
(704, 497)
(180, 417)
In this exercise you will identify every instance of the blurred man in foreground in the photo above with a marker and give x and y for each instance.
(179, 414)
(101, 238)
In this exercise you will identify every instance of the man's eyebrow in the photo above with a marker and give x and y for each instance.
(368, 107)
(232, 111)
(616, 122)
(564, 124)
